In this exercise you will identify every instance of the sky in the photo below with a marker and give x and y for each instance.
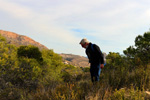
(61, 24)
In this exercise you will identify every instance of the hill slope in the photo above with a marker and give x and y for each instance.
(18, 40)
(75, 60)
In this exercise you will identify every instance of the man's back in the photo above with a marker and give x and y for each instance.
(94, 54)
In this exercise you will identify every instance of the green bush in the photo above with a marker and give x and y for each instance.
(30, 52)
(128, 94)
(29, 74)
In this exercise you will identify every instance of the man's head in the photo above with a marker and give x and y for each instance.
(84, 43)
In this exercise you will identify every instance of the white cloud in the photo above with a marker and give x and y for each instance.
(39, 22)
(107, 20)
(15, 10)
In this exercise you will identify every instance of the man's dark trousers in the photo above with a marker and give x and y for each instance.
(95, 71)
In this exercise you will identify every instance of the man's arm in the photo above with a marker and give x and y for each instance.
(88, 56)
(99, 54)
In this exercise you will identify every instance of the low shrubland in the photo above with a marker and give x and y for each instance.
(29, 74)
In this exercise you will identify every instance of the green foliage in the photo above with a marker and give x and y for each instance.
(130, 52)
(8, 61)
(141, 49)
(30, 52)
(116, 71)
(29, 74)
(2, 39)
(52, 63)
(128, 94)
(11, 94)
(138, 58)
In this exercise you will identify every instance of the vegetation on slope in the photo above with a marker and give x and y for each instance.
(26, 73)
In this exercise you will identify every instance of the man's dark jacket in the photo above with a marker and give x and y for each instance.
(95, 55)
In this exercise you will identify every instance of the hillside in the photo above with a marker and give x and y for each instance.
(16, 39)
(75, 60)
(43, 76)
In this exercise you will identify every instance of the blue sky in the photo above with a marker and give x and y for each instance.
(61, 24)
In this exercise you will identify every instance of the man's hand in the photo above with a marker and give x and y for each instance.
(102, 66)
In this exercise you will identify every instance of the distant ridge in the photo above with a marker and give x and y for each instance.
(18, 40)
(75, 60)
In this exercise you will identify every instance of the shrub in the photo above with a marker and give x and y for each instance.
(30, 52)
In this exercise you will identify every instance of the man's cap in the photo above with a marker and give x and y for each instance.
(83, 41)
